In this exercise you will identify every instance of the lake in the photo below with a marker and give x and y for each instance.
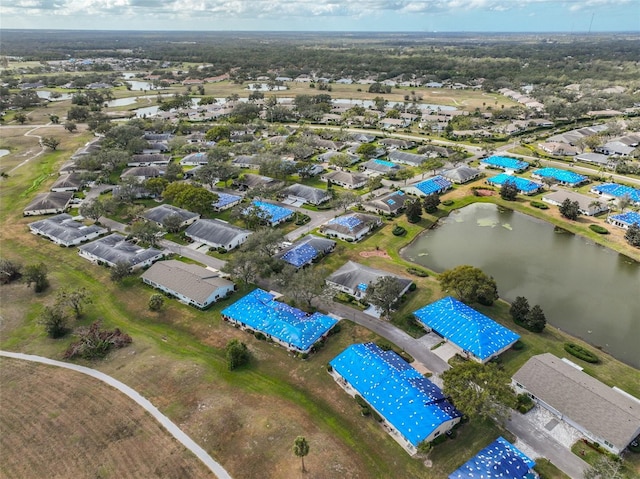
(585, 289)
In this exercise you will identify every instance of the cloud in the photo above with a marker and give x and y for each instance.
(281, 9)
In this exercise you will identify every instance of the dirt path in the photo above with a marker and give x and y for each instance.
(174, 430)
(42, 148)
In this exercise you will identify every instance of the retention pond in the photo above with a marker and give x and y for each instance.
(585, 289)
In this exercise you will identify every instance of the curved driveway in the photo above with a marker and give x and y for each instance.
(174, 430)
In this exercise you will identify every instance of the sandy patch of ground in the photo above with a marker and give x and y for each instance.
(375, 253)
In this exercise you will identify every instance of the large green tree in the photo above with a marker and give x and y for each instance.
(570, 209)
(384, 294)
(414, 211)
(74, 299)
(479, 390)
(469, 284)
(36, 274)
(54, 321)
(509, 191)
(237, 354)
(633, 235)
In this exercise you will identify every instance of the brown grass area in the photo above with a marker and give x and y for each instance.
(58, 423)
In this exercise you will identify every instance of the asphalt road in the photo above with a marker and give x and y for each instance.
(174, 430)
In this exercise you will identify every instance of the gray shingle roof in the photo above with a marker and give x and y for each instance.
(352, 274)
(461, 174)
(311, 194)
(190, 280)
(346, 177)
(116, 249)
(64, 228)
(389, 203)
(215, 231)
(596, 407)
(403, 157)
(50, 201)
(160, 213)
(72, 180)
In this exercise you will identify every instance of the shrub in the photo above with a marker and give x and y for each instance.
(260, 336)
(599, 229)
(439, 440)
(237, 354)
(540, 205)
(525, 403)
(366, 411)
(95, 343)
(417, 272)
(518, 345)
(399, 231)
(329, 368)
(447, 202)
(581, 353)
(412, 287)
(360, 401)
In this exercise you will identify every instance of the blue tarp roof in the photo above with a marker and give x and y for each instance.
(467, 328)
(350, 221)
(613, 189)
(300, 255)
(569, 177)
(499, 460)
(629, 217)
(433, 185)
(386, 163)
(406, 399)
(261, 312)
(505, 162)
(274, 213)
(224, 199)
(521, 183)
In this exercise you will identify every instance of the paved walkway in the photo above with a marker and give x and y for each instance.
(174, 430)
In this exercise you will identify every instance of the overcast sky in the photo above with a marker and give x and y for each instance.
(326, 15)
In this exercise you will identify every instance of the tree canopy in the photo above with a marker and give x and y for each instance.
(469, 284)
(384, 294)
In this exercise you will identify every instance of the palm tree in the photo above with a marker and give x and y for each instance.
(301, 449)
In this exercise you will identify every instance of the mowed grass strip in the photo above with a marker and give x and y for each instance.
(58, 423)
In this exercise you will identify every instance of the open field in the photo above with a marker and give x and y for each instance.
(58, 423)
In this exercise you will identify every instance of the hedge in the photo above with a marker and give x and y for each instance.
(581, 353)
(540, 205)
(599, 229)
(417, 272)
(399, 231)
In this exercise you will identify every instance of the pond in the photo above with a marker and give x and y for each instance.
(585, 289)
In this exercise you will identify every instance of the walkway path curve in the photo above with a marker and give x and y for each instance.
(174, 430)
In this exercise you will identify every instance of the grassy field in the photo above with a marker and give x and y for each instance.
(49, 413)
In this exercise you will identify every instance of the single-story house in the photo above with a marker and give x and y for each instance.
(246, 161)
(412, 408)
(615, 148)
(70, 182)
(217, 234)
(226, 201)
(405, 158)
(475, 335)
(589, 206)
(190, 283)
(525, 187)
(307, 194)
(326, 157)
(249, 181)
(354, 279)
(563, 177)
(505, 163)
(558, 149)
(389, 204)
(595, 158)
(64, 230)
(346, 179)
(306, 250)
(603, 414)
(160, 213)
(615, 191)
(270, 213)
(142, 173)
(363, 137)
(461, 174)
(500, 459)
(151, 159)
(115, 248)
(351, 226)
(379, 167)
(394, 123)
(625, 220)
(195, 159)
(51, 203)
(292, 328)
(397, 143)
(436, 185)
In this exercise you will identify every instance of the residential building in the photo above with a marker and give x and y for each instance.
(500, 459)
(290, 327)
(70, 182)
(625, 220)
(226, 201)
(475, 335)
(603, 414)
(614, 191)
(307, 194)
(143, 173)
(150, 159)
(435, 185)
(190, 283)
(346, 179)
(404, 158)
(217, 234)
(351, 226)
(270, 213)
(505, 163)
(389, 204)
(49, 203)
(589, 206)
(461, 174)
(64, 230)
(160, 213)
(115, 248)
(525, 187)
(560, 176)
(306, 250)
(596, 159)
(195, 159)
(412, 408)
(354, 279)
